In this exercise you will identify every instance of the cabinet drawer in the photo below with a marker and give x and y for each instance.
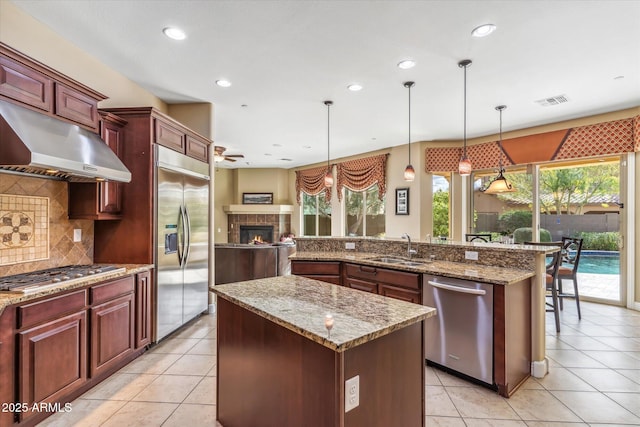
(303, 268)
(38, 312)
(362, 285)
(25, 85)
(410, 295)
(393, 277)
(110, 290)
(197, 149)
(323, 278)
(169, 137)
(76, 107)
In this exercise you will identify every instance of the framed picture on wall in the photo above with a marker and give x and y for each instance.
(402, 201)
(257, 198)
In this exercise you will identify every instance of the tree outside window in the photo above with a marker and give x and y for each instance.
(364, 212)
(316, 215)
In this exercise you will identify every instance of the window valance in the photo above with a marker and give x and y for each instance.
(311, 181)
(360, 174)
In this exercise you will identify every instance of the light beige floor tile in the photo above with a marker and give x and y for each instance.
(573, 359)
(141, 414)
(612, 359)
(192, 415)
(168, 388)
(595, 407)
(555, 343)
(531, 384)
(150, 363)
(439, 403)
(449, 380)
(84, 412)
(563, 379)
(204, 393)
(477, 422)
(445, 422)
(213, 371)
(213, 334)
(194, 331)
(630, 401)
(607, 380)
(120, 386)
(633, 374)
(555, 424)
(204, 346)
(540, 405)
(175, 345)
(431, 378)
(480, 403)
(581, 342)
(191, 364)
(621, 343)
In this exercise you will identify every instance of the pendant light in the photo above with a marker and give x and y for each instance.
(409, 171)
(500, 183)
(328, 178)
(464, 167)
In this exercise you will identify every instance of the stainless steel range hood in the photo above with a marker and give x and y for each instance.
(34, 143)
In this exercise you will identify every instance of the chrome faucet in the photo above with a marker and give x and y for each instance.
(410, 251)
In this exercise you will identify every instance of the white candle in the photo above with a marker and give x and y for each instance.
(328, 321)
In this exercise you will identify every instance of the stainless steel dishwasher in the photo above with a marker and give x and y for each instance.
(460, 337)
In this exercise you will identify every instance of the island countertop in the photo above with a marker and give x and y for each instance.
(475, 272)
(301, 304)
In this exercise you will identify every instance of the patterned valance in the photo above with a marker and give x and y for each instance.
(361, 174)
(311, 181)
(616, 137)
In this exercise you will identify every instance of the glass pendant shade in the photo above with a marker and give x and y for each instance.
(464, 167)
(328, 179)
(409, 173)
(499, 185)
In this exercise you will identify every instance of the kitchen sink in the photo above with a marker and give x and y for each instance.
(412, 263)
(391, 260)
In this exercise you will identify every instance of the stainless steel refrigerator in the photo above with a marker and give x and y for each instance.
(182, 255)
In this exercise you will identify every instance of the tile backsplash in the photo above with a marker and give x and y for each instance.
(36, 205)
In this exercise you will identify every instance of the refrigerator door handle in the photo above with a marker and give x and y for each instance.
(181, 236)
(187, 247)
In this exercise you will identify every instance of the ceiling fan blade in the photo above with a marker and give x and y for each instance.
(235, 155)
(228, 159)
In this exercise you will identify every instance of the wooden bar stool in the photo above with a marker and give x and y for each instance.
(571, 249)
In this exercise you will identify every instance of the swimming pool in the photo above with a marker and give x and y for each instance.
(599, 262)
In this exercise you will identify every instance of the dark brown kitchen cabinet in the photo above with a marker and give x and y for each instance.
(326, 271)
(100, 200)
(112, 333)
(143, 309)
(405, 294)
(390, 283)
(29, 83)
(169, 136)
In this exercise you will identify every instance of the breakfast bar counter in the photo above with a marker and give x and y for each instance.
(278, 364)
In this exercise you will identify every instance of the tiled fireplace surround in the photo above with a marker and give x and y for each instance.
(281, 224)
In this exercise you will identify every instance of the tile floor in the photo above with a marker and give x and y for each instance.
(594, 381)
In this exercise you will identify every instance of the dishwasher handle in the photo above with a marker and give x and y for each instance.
(455, 288)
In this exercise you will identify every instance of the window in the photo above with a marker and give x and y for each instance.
(441, 205)
(364, 212)
(316, 215)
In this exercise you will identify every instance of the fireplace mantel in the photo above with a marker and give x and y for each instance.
(258, 209)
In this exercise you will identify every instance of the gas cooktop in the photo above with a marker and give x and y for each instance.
(39, 280)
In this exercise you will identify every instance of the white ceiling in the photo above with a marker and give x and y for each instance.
(285, 58)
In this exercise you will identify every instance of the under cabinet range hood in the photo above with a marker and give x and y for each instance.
(34, 143)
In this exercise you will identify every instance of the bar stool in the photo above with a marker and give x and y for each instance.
(552, 266)
(571, 249)
(478, 237)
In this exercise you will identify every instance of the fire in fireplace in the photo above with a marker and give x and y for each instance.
(256, 233)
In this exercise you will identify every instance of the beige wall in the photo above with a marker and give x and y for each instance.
(274, 181)
(196, 116)
(223, 194)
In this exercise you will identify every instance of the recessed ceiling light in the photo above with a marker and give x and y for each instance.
(223, 83)
(174, 33)
(354, 87)
(483, 30)
(406, 64)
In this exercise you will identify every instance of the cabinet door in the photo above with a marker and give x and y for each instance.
(363, 285)
(110, 200)
(197, 149)
(112, 333)
(410, 295)
(25, 85)
(76, 107)
(169, 136)
(52, 360)
(143, 309)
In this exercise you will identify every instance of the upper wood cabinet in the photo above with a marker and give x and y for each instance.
(34, 85)
(178, 138)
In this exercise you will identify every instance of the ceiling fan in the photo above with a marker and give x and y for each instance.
(219, 156)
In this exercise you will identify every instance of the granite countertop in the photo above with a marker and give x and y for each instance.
(8, 298)
(476, 272)
(300, 305)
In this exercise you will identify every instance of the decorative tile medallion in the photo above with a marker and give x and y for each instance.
(24, 228)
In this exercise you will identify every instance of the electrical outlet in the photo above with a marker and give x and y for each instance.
(77, 235)
(351, 393)
(350, 245)
(472, 255)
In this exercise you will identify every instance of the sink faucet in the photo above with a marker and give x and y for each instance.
(409, 250)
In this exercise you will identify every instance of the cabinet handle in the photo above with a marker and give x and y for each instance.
(368, 270)
(455, 288)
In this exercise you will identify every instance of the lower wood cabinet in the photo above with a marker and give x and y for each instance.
(52, 360)
(112, 333)
(326, 271)
(143, 332)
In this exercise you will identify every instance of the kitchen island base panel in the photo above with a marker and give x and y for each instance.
(271, 376)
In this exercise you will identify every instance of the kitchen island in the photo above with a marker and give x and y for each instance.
(278, 365)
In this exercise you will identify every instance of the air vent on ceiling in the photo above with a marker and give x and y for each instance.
(554, 100)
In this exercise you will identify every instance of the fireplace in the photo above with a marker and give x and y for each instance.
(261, 233)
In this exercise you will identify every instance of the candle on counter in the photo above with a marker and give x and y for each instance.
(328, 323)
